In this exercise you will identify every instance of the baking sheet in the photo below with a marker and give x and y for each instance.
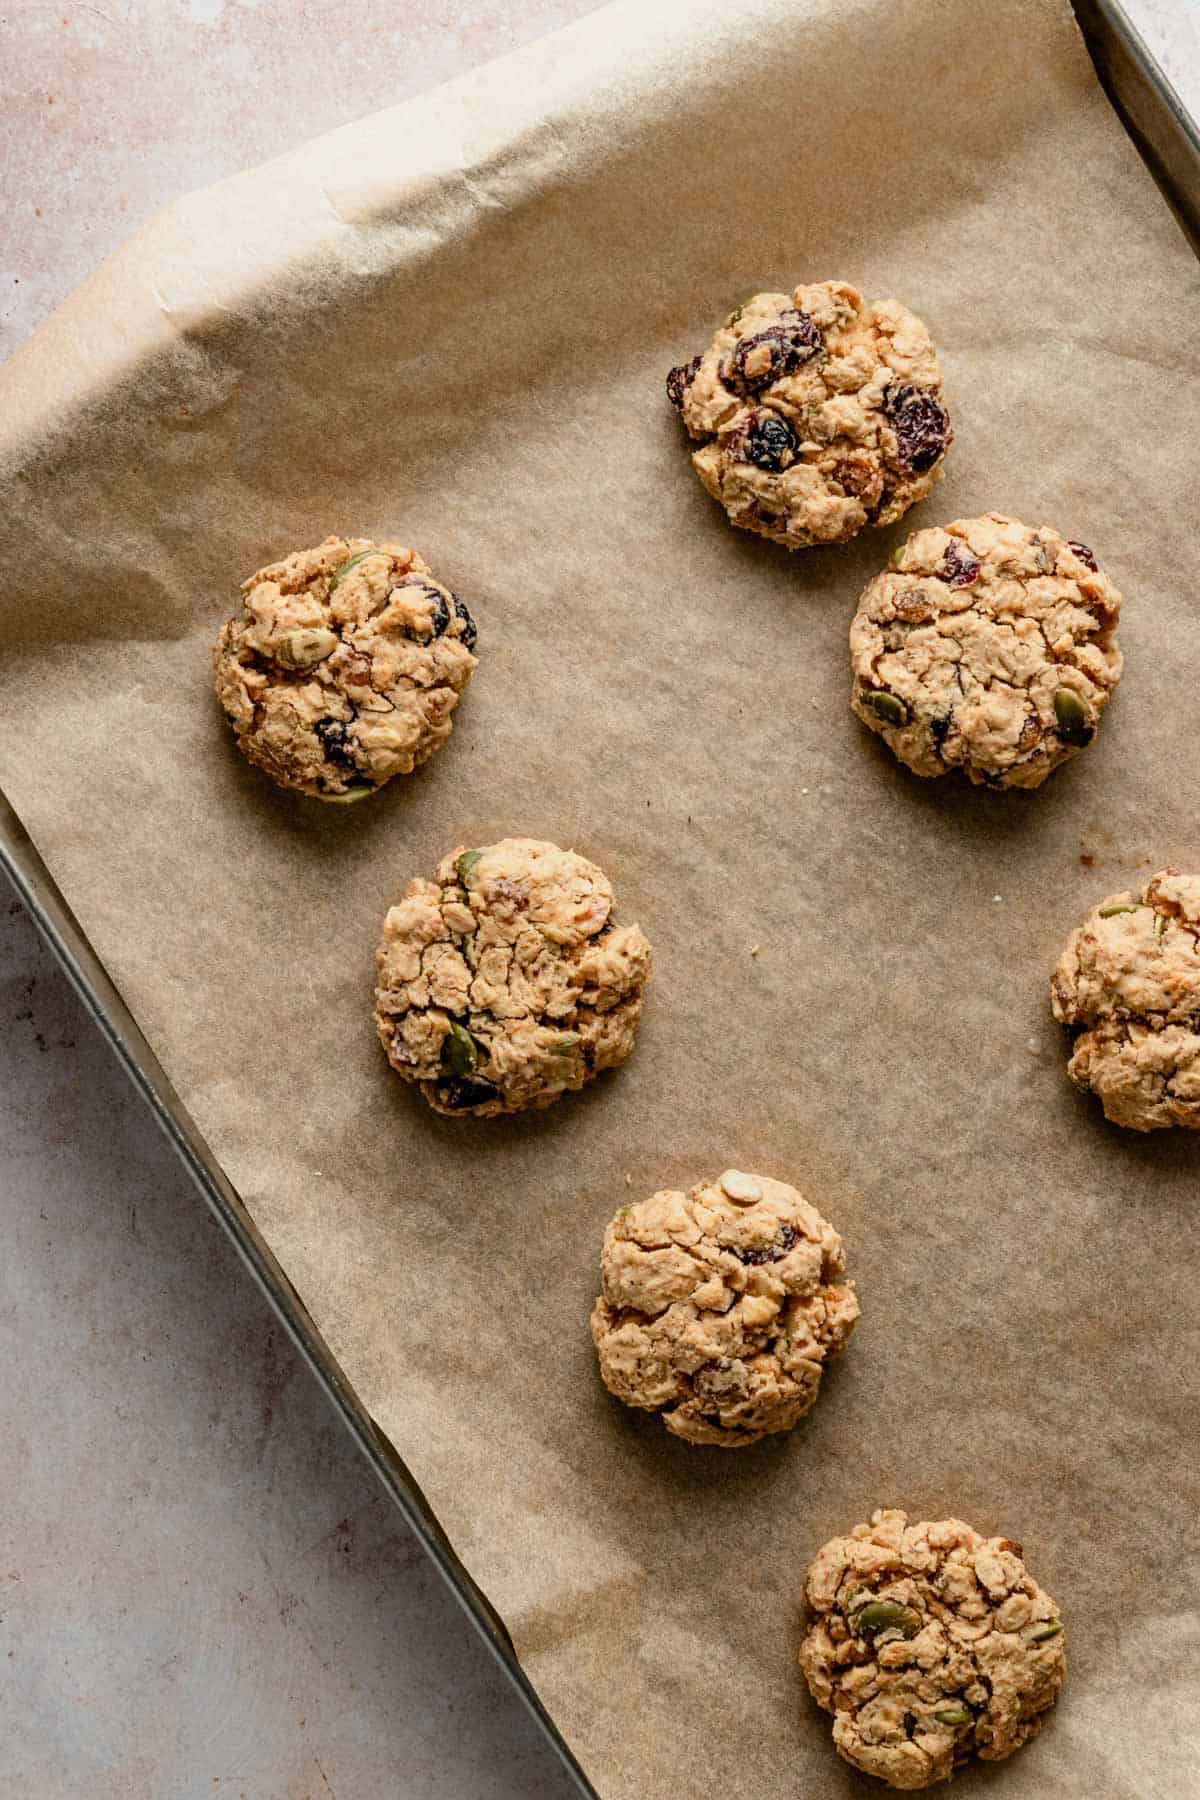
(452, 321)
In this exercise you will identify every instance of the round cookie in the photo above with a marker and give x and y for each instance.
(986, 647)
(504, 981)
(821, 412)
(1128, 984)
(721, 1307)
(344, 667)
(930, 1645)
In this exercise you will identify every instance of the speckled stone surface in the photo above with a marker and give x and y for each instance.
(201, 1591)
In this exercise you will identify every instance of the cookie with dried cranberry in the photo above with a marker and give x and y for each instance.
(505, 981)
(986, 647)
(721, 1307)
(344, 666)
(1128, 986)
(819, 413)
(930, 1645)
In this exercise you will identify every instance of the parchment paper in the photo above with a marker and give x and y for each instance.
(451, 322)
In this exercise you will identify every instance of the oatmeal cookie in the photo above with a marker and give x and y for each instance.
(1128, 985)
(344, 667)
(720, 1307)
(986, 647)
(821, 412)
(930, 1645)
(504, 981)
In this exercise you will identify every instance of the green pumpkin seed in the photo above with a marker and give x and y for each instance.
(305, 648)
(897, 556)
(347, 566)
(1160, 924)
(349, 797)
(1050, 1629)
(466, 863)
(885, 706)
(1110, 912)
(953, 1715)
(460, 1052)
(734, 316)
(1072, 718)
(565, 1044)
(886, 1615)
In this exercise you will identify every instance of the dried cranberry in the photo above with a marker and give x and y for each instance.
(468, 631)
(462, 1091)
(855, 475)
(939, 730)
(787, 1239)
(958, 568)
(1084, 555)
(336, 742)
(775, 352)
(922, 427)
(766, 440)
(680, 380)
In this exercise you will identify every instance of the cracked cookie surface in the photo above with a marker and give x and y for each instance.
(930, 1645)
(344, 667)
(821, 412)
(987, 647)
(720, 1307)
(1128, 984)
(504, 982)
